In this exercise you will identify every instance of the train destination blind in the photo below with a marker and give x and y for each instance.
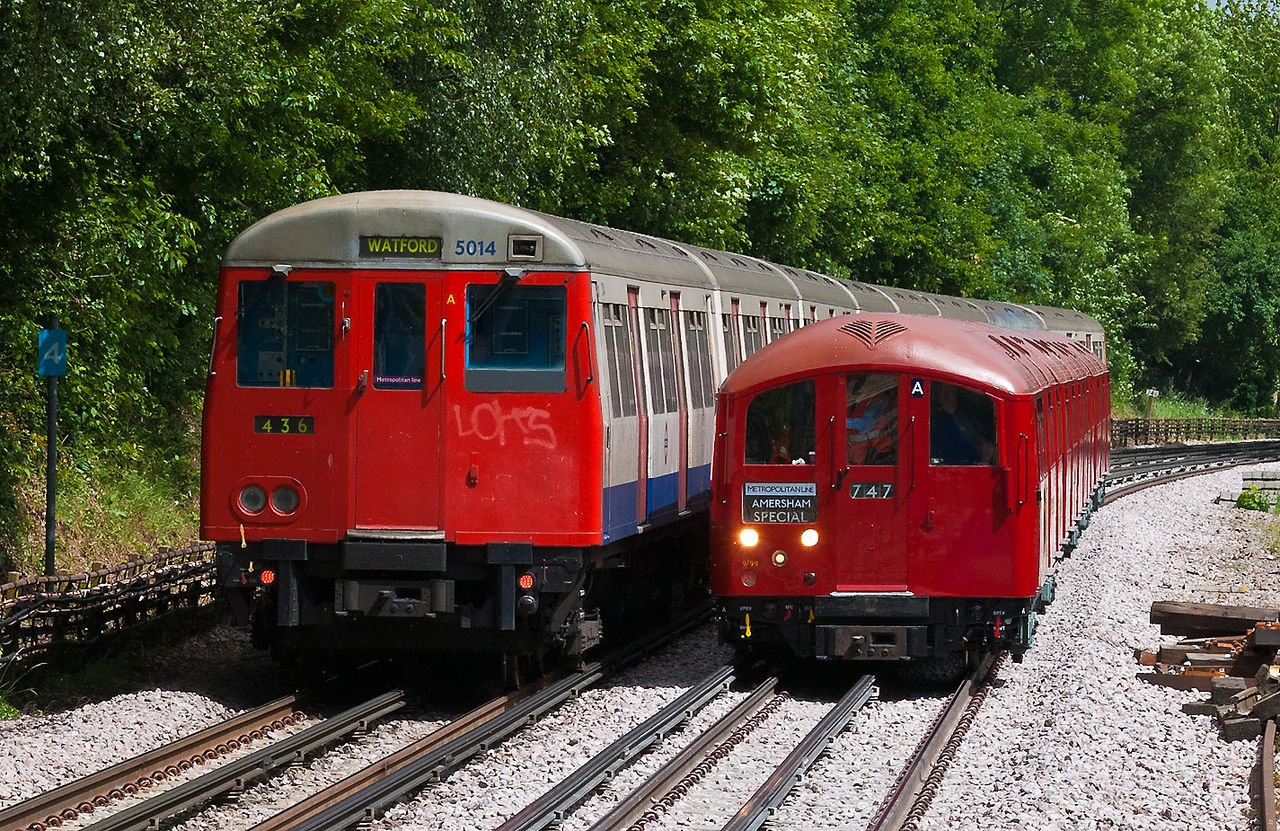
(779, 502)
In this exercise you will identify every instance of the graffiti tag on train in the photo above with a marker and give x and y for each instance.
(489, 422)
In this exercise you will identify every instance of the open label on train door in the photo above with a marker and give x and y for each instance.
(780, 502)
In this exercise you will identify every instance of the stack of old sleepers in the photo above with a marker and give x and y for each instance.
(1228, 652)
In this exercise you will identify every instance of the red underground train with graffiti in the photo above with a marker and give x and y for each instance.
(440, 424)
(894, 488)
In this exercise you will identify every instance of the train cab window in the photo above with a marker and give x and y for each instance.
(515, 339)
(285, 334)
(962, 426)
(780, 426)
(871, 418)
(399, 335)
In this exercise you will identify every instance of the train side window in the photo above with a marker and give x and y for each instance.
(399, 335)
(516, 339)
(622, 390)
(728, 324)
(285, 334)
(780, 426)
(871, 418)
(752, 339)
(962, 426)
(698, 350)
(662, 373)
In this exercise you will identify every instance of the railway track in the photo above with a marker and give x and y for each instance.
(1133, 469)
(69, 802)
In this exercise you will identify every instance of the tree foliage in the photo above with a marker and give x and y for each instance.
(1118, 157)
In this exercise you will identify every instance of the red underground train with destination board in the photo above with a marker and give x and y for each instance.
(899, 488)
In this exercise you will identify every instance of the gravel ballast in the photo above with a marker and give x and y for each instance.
(1070, 739)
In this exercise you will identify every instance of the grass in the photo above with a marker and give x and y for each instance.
(1168, 405)
(106, 515)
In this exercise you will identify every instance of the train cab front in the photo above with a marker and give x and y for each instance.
(825, 532)
(389, 457)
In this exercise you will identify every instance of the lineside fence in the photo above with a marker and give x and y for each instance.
(40, 614)
(1133, 432)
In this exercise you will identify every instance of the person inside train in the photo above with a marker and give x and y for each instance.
(961, 426)
(779, 426)
(871, 419)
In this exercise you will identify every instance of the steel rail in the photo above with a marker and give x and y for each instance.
(236, 773)
(910, 794)
(303, 811)
(371, 800)
(387, 790)
(573, 789)
(670, 782)
(83, 796)
(771, 794)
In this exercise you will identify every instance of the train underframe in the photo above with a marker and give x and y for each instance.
(882, 628)
(527, 606)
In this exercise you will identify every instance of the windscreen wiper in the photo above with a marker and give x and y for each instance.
(508, 278)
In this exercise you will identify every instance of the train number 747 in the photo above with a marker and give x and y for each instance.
(871, 490)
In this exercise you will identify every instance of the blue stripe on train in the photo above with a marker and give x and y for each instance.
(620, 501)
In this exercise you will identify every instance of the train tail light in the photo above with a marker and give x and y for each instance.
(526, 603)
(267, 576)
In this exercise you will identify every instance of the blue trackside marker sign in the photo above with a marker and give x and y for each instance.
(51, 349)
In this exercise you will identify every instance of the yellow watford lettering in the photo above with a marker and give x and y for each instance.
(422, 248)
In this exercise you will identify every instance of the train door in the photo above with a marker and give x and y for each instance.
(958, 502)
(871, 461)
(399, 402)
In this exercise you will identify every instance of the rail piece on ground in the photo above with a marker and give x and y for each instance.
(915, 786)
(83, 796)
(1266, 782)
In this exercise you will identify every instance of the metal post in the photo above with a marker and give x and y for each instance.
(51, 474)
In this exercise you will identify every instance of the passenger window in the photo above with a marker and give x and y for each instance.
(285, 334)
(871, 419)
(515, 338)
(399, 335)
(780, 426)
(962, 426)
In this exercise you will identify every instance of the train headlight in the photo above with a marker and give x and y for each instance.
(749, 537)
(779, 558)
(809, 538)
(285, 499)
(253, 499)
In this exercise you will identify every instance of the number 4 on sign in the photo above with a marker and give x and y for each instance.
(52, 352)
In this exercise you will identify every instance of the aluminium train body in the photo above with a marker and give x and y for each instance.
(900, 488)
(435, 423)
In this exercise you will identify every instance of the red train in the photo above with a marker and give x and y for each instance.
(897, 488)
(435, 423)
